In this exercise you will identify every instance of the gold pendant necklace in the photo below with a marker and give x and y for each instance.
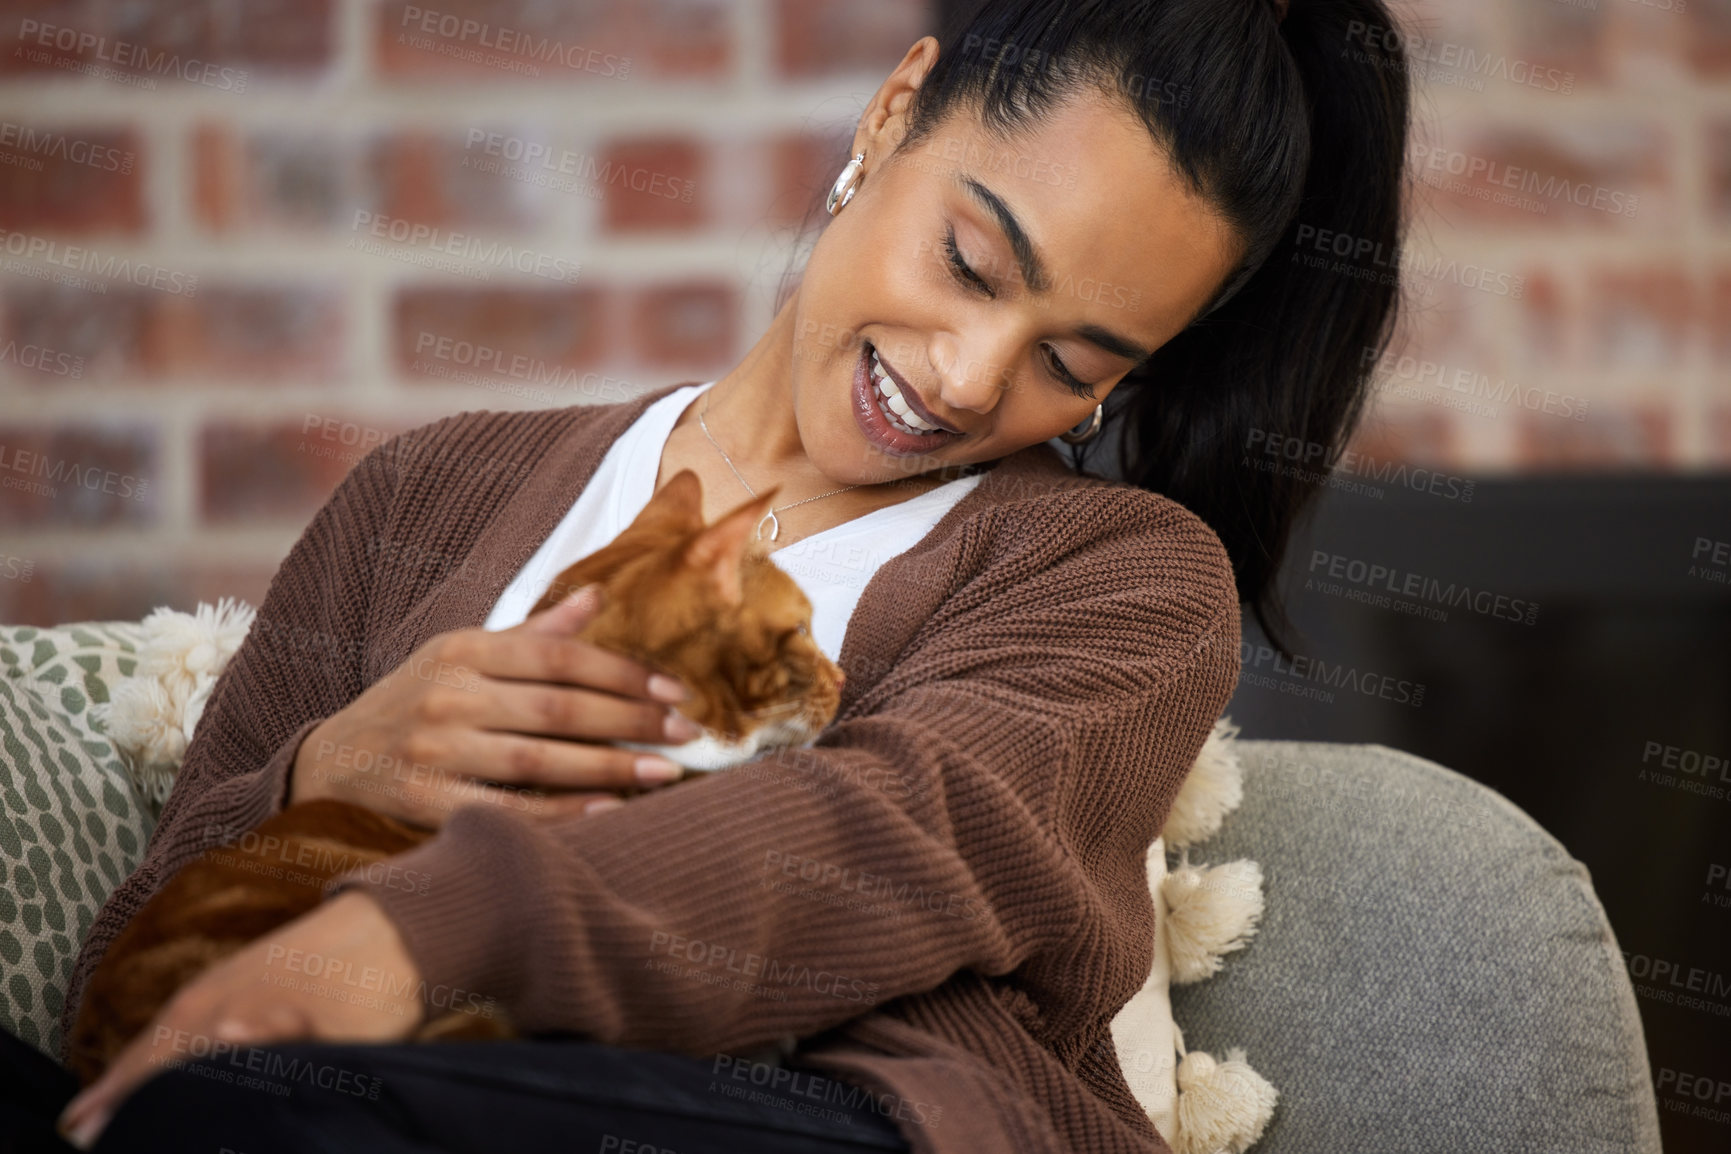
(774, 521)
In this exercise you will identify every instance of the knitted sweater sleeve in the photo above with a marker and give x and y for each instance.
(982, 806)
(299, 663)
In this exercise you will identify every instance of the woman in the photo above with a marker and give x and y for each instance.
(1067, 202)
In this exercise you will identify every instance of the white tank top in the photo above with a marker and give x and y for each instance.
(832, 567)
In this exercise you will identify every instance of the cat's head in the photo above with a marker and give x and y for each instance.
(705, 604)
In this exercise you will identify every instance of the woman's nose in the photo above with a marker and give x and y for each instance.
(969, 381)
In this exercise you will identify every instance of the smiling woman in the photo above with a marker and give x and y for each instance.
(1069, 202)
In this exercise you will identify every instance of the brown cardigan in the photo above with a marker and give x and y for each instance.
(944, 898)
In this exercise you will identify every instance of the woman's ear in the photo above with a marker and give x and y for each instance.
(884, 121)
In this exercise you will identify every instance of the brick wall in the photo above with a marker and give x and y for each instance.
(247, 323)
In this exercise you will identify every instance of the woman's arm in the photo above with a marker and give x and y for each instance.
(992, 792)
(299, 663)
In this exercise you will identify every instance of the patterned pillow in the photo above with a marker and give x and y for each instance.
(72, 825)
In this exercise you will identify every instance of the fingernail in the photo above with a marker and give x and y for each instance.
(681, 728)
(652, 770)
(84, 1134)
(665, 688)
(602, 805)
(587, 596)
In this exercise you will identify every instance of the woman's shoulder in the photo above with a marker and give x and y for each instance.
(1041, 504)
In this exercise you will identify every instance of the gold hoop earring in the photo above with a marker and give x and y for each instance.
(1072, 437)
(842, 191)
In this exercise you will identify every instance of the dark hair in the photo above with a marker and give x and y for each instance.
(1283, 125)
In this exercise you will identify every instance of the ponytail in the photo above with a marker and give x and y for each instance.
(1241, 416)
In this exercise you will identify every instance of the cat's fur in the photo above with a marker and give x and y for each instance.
(702, 603)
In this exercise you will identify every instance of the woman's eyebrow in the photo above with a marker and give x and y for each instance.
(1034, 271)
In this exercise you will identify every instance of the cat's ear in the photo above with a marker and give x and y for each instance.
(718, 550)
(676, 505)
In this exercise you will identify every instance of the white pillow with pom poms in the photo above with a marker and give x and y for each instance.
(1198, 1105)
(151, 716)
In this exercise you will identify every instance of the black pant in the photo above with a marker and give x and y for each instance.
(543, 1094)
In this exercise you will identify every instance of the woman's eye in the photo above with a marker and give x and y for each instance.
(960, 267)
(1064, 377)
(973, 280)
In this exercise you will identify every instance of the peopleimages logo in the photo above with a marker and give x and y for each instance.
(1322, 676)
(459, 31)
(534, 162)
(123, 53)
(1291, 456)
(464, 246)
(59, 146)
(1486, 178)
(1377, 579)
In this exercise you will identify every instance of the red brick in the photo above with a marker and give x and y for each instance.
(97, 588)
(435, 179)
(190, 42)
(1639, 317)
(270, 179)
(685, 326)
(1594, 174)
(1574, 40)
(1719, 437)
(216, 166)
(652, 184)
(1451, 325)
(1709, 35)
(538, 337)
(825, 37)
(592, 41)
(1545, 316)
(70, 179)
(298, 180)
(1718, 320)
(806, 165)
(241, 333)
(1636, 436)
(279, 471)
(1718, 155)
(79, 475)
(1414, 436)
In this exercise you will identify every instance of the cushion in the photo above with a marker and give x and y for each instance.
(72, 827)
(1434, 970)
(1142, 1032)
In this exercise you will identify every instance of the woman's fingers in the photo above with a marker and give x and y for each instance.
(534, 707)
(542, 763)
(255, 997)
(476, 716)
(555, 654)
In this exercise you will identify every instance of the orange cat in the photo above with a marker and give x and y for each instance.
(702, 603)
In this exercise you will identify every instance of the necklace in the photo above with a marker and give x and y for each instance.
(774, 521)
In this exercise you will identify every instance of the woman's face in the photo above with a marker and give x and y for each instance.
(1008, 285)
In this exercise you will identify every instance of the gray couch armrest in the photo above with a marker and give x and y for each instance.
(1433, 970)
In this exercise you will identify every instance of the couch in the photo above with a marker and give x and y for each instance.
(1432, 972)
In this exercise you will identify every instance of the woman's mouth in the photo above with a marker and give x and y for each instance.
(884, 415)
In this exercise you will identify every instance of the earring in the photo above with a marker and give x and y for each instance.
(849, 181)
(1072, 437)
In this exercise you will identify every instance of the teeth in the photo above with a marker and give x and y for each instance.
(895, 404)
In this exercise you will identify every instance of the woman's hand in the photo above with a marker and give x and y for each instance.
(264, 994)
(528, 707)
